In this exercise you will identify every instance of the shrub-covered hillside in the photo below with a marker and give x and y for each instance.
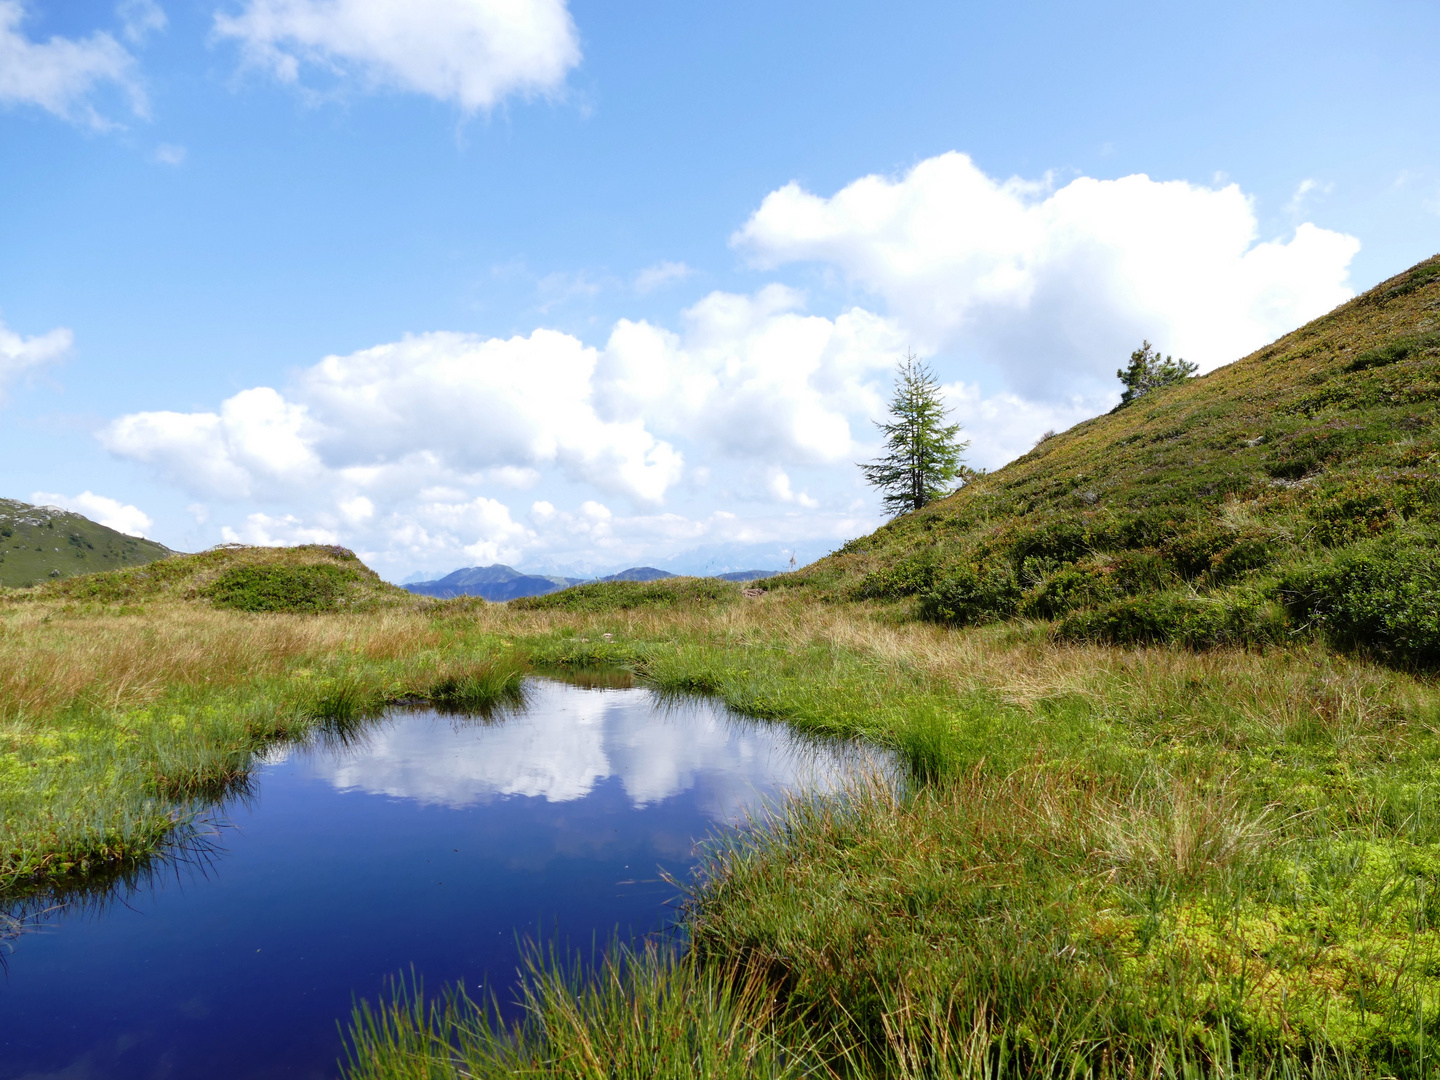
(305, 579)
(40, 543)
(1293, 492)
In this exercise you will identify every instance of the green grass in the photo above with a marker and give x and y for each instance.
(1151, 858)
(1152, 875)
(646, 1014)
(99, 782)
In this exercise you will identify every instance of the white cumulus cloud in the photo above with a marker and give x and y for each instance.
(432, 409)
(112, 513)
(258, 444)
(752, 377)
(473, 53)
(1050, 287)
(284, 530)
(738, 428)
(19, 355)
(62, 75)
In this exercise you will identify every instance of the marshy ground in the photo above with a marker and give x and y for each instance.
(1109, 860)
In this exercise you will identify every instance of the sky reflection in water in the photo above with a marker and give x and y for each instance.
(430, 841)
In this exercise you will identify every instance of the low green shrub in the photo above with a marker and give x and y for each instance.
(1382, 597)
(303, 588)
(1171, 618)
(1144, 570)
(1395, 351)
(1248, 554)
(1064, 538)
(1191, 552)
(1356, 512)
(913, 574)
(1065, 591)
(971, 595)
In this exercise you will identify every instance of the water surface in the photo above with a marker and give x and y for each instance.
(428, 843)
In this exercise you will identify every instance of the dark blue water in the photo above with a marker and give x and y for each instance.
(429, 844)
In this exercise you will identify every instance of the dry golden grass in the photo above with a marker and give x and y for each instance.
(50, 661)
(51, 658)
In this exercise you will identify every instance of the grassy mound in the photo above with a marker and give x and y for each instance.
(306, 579)
(1293, 492)
(624, 595)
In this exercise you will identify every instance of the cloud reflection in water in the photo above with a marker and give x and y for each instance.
(566, 741)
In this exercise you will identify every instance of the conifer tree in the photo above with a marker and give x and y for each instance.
(923, 455)
(1147, 371)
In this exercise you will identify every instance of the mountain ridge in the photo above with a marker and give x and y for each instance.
(1295, 490)
(499, 582)
(44, 543)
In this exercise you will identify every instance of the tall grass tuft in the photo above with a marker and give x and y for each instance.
(477, 687)
(647, 1013)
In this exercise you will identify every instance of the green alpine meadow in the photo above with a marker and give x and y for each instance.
(1162, 693)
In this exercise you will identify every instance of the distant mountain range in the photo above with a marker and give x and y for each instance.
(499, 582)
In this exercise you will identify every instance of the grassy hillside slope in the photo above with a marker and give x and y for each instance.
(1296, 490)
(38, 543)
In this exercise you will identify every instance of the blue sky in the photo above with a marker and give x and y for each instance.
(613, 284)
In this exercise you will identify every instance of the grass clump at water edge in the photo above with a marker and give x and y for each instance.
(646, 1012)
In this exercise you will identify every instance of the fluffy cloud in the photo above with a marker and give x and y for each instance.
(777, 482)
(481, 529)
(473, 53)
(257, 445)
(112, 513)
(62, 75)
(429, 410)
(737, 430)
(263, 530)
(1000, 427)
(21, 354)
(1051, 287)
(751, 377)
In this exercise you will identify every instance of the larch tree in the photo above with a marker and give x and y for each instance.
(1149, 371)
(923, 453)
